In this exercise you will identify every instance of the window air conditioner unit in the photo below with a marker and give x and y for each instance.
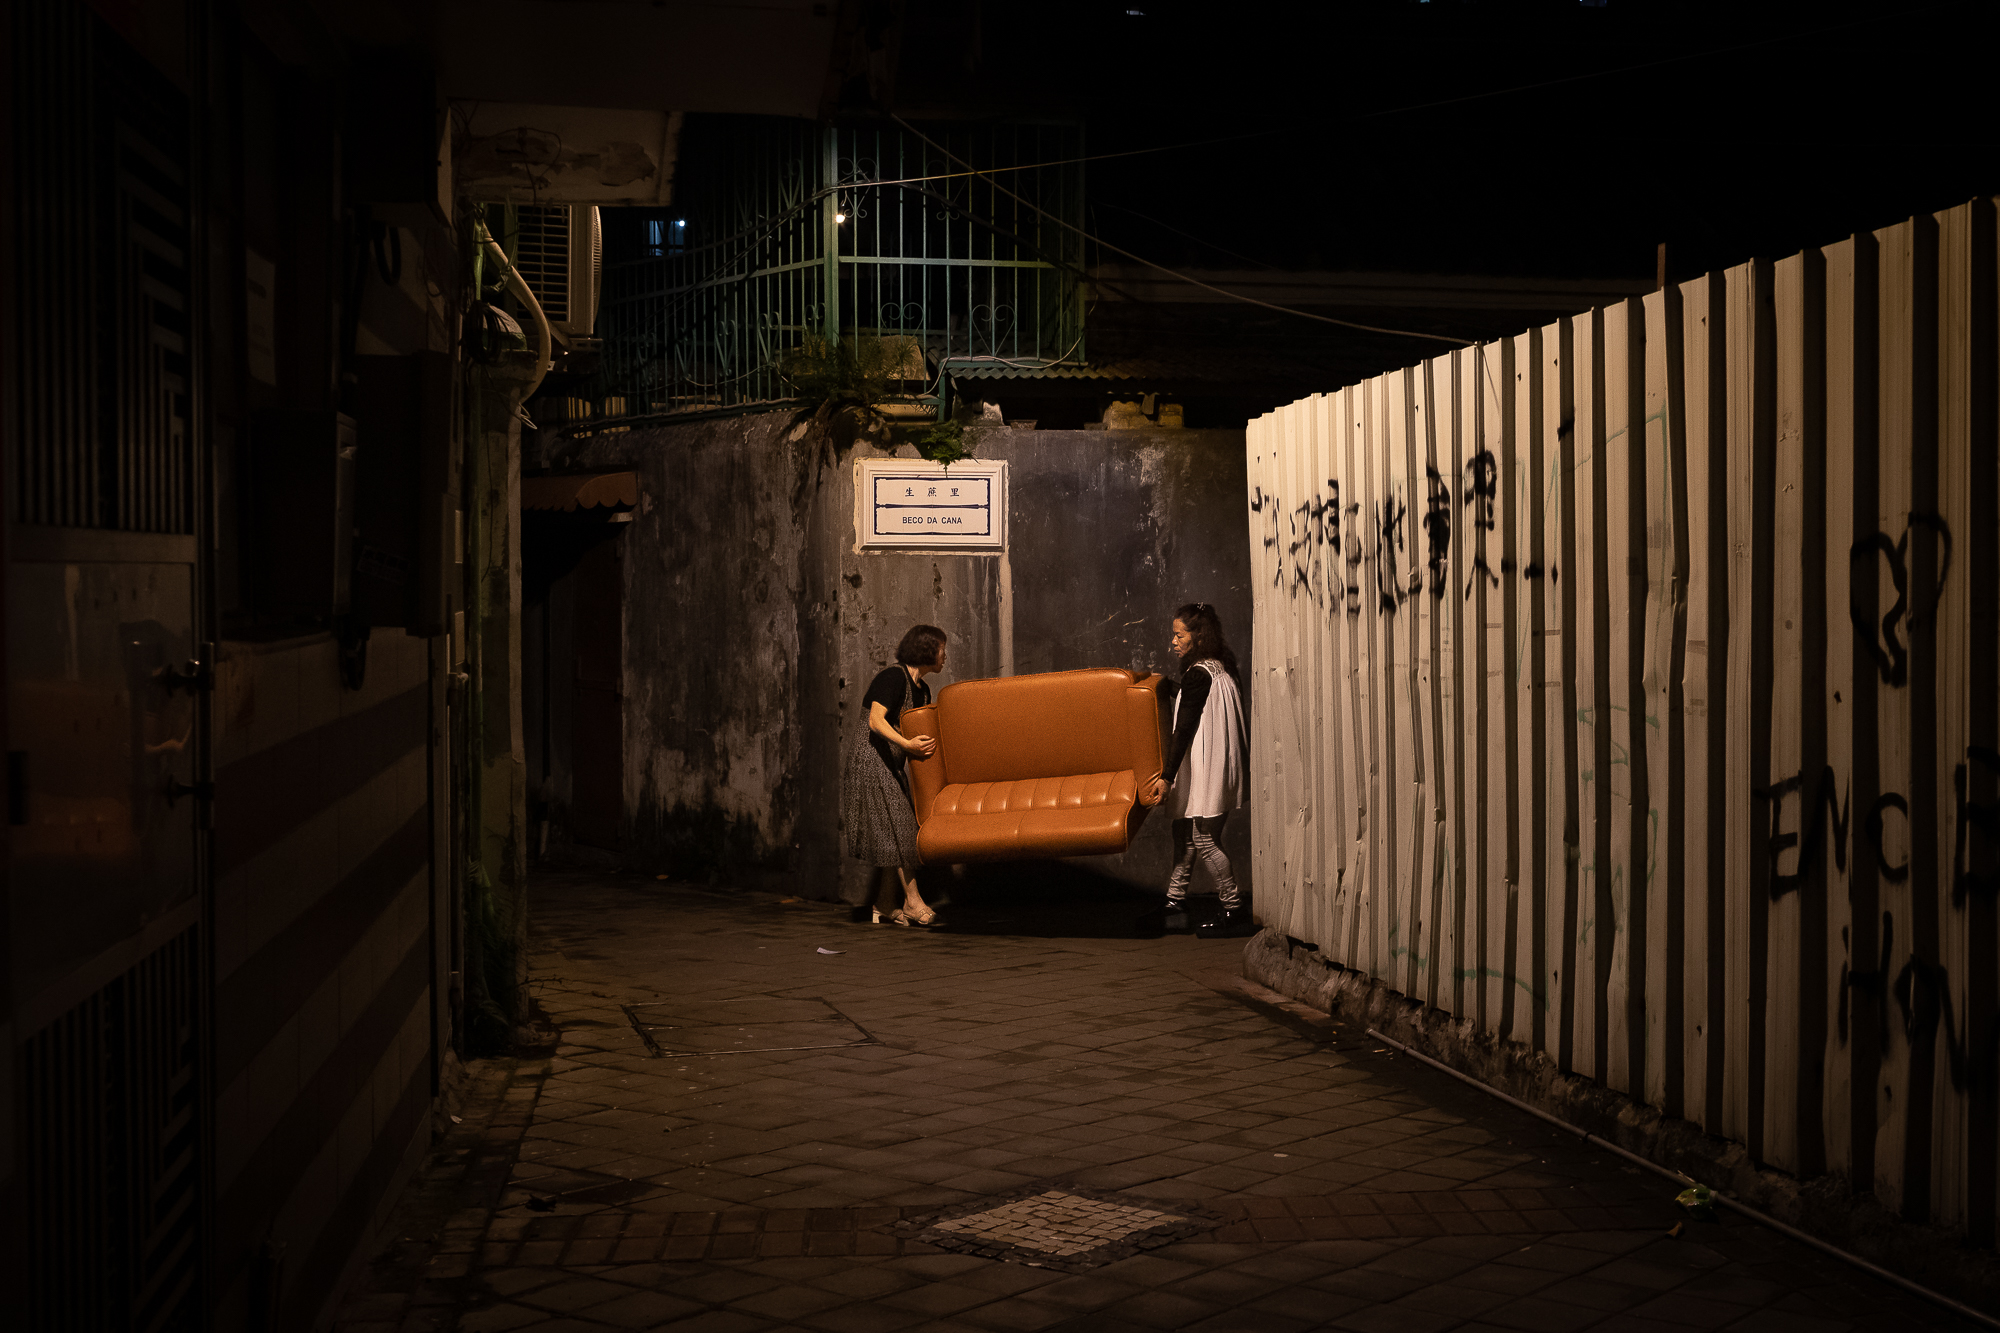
(561, 254)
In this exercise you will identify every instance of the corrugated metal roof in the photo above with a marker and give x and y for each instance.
(1000, 370)
(1208, 367)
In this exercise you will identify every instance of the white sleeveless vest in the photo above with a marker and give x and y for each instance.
(1211, 781)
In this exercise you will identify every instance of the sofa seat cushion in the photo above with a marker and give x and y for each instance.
(1083, 814)
(1076, 792)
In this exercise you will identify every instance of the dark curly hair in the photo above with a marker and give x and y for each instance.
(920, 646)
(1205, 639)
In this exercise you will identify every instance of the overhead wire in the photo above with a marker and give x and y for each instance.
(1102, 244)
(861, 183)
(763, 227)
(1183, 277)
(1392, 110)
(1205, 244)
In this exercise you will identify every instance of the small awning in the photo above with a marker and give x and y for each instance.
(594, 490)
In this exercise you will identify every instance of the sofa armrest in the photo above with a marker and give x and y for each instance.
(926, 775)
(1142, 726)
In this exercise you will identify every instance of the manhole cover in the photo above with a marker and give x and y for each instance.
(743, 1027)
(1063, 1227)
(1058, 1223)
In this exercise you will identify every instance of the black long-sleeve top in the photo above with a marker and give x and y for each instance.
(887, 689)
(1193, 693)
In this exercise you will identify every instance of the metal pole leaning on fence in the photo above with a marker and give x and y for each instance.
(1914, 1288)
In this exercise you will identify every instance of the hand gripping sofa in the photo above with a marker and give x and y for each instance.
(1035, 766)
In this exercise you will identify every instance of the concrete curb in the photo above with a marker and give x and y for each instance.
(1827, 1206)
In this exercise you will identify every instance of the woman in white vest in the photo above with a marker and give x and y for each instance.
(1203, 779)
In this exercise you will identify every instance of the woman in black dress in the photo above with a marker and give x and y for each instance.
(880, 824)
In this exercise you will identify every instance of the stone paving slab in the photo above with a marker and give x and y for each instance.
(618, 1186)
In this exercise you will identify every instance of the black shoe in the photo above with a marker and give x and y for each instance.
(1170, 917)
(1230, 924)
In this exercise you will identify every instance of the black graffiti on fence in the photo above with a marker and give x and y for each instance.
(1437, 528)
(1891, 655)
(1329, 533)
(1351, 557)
(1482, 494)
(1484, 491)
(1977, 820)
(1479, 566)
(1301, 566)
(1314, 524)
(1325, 520)
(1888, 800)
(1389, 547)
(1976, 838)
(1825, 802)
(1871, 984)
(1267, 505)
(1923, 994)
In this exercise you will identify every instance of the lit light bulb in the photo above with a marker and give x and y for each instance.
(839, 216)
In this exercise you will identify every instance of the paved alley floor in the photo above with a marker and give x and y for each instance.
(762, 1116)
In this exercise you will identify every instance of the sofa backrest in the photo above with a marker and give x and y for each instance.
(1050, 725)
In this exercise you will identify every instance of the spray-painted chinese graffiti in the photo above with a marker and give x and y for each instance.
(1630, 689)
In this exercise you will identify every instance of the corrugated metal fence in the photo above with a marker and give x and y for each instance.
(1629, 689)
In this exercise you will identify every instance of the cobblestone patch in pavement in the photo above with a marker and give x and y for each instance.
(1062, 1227)
(752, 1189)
(1055, 1222)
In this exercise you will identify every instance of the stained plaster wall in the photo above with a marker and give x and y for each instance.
(753, 624)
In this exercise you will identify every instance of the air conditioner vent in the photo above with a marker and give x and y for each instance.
(558, 253)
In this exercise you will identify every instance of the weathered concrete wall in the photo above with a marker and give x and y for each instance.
(753, 624)
(713, 583)
(1110, 532)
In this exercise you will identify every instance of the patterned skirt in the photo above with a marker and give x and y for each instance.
(877, 821)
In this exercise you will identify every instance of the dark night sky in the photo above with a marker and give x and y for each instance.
(1787, 126)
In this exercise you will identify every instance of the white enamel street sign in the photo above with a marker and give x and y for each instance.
(910, 502)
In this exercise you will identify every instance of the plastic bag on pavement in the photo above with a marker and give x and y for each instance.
(1699, 1202)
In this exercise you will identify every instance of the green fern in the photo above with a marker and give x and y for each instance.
(853, 372)
(944, 443)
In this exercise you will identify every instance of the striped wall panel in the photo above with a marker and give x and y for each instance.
(1631, 688)
(324, 954)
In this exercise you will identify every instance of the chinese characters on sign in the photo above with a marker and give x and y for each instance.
(906, 503)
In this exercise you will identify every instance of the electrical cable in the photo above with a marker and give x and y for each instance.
(1394, 110)
(513, 277)
(1914, 1288)
(1207, 245)
(1014, 365)
(1618, 69)
(1192, 281)
(1371, 115)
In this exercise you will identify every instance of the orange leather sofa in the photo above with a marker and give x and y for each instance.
(1035, 766)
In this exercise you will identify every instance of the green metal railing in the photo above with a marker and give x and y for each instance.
(795, 236)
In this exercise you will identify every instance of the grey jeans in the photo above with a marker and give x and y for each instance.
(1197, 837)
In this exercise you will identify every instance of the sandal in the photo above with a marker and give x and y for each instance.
(922, 916)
